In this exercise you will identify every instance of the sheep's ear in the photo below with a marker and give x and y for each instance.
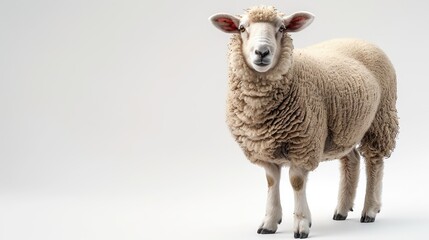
(225, 22)
(297, 21)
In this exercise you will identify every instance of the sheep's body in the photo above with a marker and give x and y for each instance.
(334, 96)
(300, 107)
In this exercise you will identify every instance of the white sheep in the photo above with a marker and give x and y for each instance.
(299, 107)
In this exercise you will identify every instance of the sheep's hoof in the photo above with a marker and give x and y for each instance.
(300, 235)
(339, 217)
(266, 231)
(301, 227)
(269, 225)
(367, 219)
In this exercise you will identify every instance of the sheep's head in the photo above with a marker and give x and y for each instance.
(261, 30)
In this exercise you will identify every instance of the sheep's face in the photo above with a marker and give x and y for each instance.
(261, 30)
(261, 43)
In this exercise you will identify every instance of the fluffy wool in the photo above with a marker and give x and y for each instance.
(317, 103)
(263, 14)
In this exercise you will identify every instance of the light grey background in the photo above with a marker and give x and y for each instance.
(112, 122)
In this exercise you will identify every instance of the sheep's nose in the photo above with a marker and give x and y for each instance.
(262, 53)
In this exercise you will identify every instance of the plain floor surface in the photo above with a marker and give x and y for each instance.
(211, 202)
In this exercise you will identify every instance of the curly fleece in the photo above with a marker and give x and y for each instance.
(316, 104)
(263, 14)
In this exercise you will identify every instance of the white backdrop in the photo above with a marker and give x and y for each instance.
(112, 122)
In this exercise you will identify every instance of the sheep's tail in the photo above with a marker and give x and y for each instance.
(380, 139)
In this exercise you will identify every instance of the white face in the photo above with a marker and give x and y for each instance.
(261, 40)
(261, 43)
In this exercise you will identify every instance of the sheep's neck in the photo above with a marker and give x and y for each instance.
(257, 99)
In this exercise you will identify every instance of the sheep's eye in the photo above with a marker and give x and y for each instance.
(241, 28)
(282, 28)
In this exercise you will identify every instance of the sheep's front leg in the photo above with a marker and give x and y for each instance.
(374, 177)
(273, 215)
(302, 215)
(348, 184)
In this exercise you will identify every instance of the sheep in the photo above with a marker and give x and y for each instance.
(298, 107)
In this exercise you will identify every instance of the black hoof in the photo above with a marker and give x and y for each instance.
(367, 219)
(265, 231)
(300, 235)
(280, 221)
(338, 217)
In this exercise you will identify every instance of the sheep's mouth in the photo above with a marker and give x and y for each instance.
(261, 63)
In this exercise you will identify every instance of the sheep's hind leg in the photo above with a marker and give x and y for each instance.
(348, 184)
(302, 215)
(273, 215)
(374, 175)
